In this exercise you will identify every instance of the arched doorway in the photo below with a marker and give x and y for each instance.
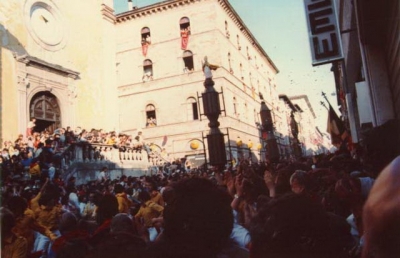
(45, 109)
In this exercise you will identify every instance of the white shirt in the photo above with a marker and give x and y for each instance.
(102, 176)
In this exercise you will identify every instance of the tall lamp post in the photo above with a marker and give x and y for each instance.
(212, 109)
(268, 132)
(295, 133)
(239, 144)
(249, 146)
(259, 149)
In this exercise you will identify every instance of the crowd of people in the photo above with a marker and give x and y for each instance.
(325, 206)
(21, 158)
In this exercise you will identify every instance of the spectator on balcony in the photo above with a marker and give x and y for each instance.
(19, 140)
(103, 175)
(77, 131)
(30, 128)
(112, 140)
(151, 122)
(140, 141)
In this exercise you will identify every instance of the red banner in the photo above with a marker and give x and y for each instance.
(184, 38)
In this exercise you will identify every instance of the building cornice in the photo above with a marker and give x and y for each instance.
(108, 13)
(288, 102)
(243, 28)
(34, 61)
(306, 100)
(151, 9)
(172, 4)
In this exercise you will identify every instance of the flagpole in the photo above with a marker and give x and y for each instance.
(323, 104)
(324, 95)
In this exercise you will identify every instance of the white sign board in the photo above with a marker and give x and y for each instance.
(323, 30)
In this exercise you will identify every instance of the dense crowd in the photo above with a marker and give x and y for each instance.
(323, 206)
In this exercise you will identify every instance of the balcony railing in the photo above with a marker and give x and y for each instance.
(96, 152)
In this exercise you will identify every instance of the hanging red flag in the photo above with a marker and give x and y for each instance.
(145, 46)
(184, 38)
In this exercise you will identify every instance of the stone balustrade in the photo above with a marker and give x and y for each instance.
(96, 152)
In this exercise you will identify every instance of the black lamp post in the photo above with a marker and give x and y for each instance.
(295, 133)
(268, 132)
(215, 138)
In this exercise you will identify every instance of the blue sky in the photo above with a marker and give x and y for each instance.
(280, 28)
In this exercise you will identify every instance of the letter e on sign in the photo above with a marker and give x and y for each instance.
(323, 30)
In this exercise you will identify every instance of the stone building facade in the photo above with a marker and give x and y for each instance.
(162, 78)
(367, 80)
(76, 63)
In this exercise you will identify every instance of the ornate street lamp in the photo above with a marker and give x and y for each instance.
(250, 144)
(259, 147)
(268, 131)
(212, 109)
(194, 145)
(295, 133)
(239, 144)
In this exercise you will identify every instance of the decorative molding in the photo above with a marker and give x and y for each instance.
(49, 12)
(34, 61)
(108, 13)
(152, 9)
(171, 4)
(305, 98)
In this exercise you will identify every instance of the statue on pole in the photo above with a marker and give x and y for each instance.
(207, 67)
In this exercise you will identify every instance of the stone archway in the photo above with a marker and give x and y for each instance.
(45, 109)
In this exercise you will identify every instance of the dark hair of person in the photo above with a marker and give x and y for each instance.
(293, 226)
(144, 196)
(73, 248)
(107, 208)
(17, 205)
(118, 188)
(46, 199)
(7, 221)
(283, 181)
(198, 220)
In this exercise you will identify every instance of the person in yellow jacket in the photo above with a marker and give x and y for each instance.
(124, 203)
(149, 215)
(47, 212)
(34, 169)
(25, 223)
